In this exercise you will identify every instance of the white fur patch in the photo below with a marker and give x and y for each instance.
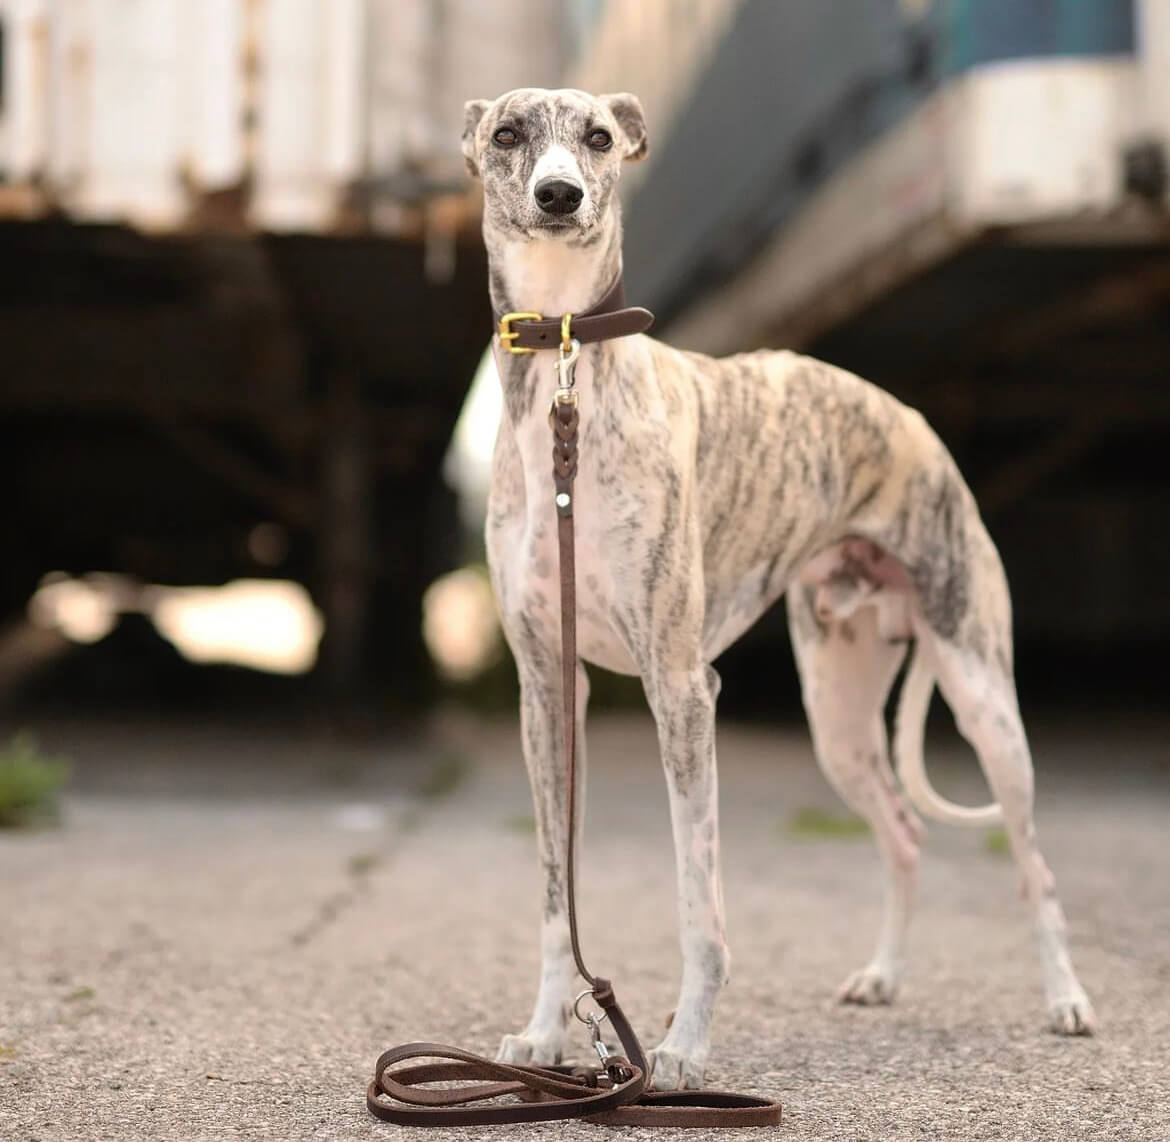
(560, 162)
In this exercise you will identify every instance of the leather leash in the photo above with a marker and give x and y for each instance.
(614, 1093)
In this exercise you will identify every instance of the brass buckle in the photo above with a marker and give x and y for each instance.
(508, 334)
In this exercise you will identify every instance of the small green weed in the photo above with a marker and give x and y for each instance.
(362, 864)
(80, 995)
(812, 822)
(442, 780)
(995, 842)
(29, 783)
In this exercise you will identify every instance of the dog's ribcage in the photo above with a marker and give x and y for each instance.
(784, 456)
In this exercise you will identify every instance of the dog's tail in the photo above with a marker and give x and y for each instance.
(908, 734)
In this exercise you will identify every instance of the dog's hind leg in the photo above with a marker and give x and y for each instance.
(975, 677)
(846, 668)
(543, 1040)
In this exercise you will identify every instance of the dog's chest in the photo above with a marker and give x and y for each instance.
(598, 592)
(526, 557)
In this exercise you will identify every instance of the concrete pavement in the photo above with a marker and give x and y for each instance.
(230, 926)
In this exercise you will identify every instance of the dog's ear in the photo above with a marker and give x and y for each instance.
(627, 110)
(473, 111)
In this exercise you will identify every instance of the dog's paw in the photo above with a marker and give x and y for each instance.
(531, 1048)
(671, 1069)
(1072, 1015)
(870, 986)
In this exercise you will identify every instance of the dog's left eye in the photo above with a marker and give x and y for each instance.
(600, 140)
(506, 137)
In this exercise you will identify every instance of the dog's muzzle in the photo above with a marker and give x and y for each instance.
(558, 196)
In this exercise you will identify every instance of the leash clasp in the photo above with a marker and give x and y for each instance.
(508, 334)
(566, 372)
(603, 1052)
(593, 1021)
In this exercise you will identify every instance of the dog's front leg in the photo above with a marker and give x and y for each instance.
(683, 702)
(543, 1040)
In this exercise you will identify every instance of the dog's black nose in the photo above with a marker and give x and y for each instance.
(556, 196)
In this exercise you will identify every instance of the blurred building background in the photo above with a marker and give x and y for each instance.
(244, 296)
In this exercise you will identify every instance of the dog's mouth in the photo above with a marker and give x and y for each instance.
(554, 225)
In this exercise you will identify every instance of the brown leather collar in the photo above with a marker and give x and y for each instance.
(610, 317)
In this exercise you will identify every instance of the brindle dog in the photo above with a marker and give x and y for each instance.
(706, 489)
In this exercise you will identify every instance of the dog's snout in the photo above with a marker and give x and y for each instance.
(558, 196)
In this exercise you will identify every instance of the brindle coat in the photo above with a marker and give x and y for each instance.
(706, 489)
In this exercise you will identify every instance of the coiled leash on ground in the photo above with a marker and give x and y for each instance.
(613, 1093)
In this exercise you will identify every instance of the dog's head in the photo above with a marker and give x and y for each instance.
(550, 160)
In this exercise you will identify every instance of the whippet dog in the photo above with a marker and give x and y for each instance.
(706, 489)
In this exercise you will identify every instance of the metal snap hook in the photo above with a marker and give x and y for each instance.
(566, 367)
(603, 1052)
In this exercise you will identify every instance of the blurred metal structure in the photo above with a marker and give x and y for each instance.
(316, 116)
(963, 200)
(244, 290)
(852, 144)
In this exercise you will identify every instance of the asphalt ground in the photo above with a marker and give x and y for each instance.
(229, 926)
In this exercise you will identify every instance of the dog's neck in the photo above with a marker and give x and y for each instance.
(550, 276)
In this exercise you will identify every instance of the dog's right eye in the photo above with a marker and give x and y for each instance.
(505, 137)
